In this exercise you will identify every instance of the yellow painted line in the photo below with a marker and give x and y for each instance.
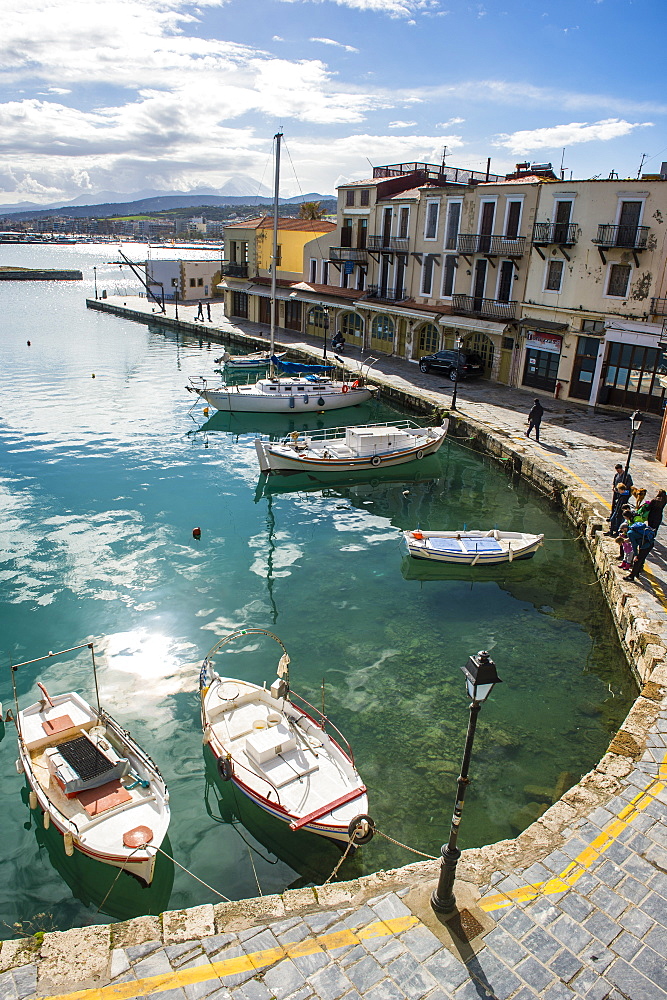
(243, 963)
(597, 847)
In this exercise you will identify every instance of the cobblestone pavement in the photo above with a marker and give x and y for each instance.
(585, 917)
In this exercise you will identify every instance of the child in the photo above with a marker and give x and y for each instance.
(626, 547)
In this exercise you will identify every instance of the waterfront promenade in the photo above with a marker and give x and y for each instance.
(576, 906)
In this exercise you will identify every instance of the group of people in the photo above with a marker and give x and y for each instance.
(200, 312)
(634, 521)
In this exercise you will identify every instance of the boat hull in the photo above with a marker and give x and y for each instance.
(512, 547)
(244, 399)
(283, 460)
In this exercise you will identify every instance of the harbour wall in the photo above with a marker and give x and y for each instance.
(37, 274)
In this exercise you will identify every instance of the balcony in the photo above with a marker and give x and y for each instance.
(562, 233)
(658, 307)
(386, 294)
(230, 269)
(629, 237)
(472, 305)
(494, 246)
(388, 244)
(348, 253)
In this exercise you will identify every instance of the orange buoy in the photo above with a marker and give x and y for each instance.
(417, 534)
(196, 532)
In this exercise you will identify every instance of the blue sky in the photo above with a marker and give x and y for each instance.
(129, 95)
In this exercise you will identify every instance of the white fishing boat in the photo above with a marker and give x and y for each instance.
(90, 779)
(473, 548)
(278, 755)
(285, 394)
(349, 449)
(241, 362)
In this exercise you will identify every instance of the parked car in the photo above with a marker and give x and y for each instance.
(457, 364)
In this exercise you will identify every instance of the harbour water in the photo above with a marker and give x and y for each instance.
(105, 471)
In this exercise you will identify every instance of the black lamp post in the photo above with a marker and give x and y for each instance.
(481, 676)
(325, 325)
(95, 279)
(636, 422)
(457, 344)
(176, 299)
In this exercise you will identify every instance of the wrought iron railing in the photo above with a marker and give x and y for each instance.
(474, 305)
(631, 237)
(500, 246)
(386, 294)
(659, 307)
(389, 244)
(347, 253)
(233, 270)
(563, 233)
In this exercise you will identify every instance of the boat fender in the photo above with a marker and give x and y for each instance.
(356, 384)
(225, 768)
(69, 844)
(345, 388)
(417, 534)
(305, 399)
(32, 799)
(420, 454)
(320, 402)
(18, 764)
(47, 820)
(361, 830)
(291, 402)
(375, 461)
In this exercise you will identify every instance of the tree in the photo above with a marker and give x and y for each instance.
(311, 210)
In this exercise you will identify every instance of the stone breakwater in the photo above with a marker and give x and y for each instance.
(92, 956)
(38, 274)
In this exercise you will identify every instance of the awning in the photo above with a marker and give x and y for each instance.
(472, 324)
(542, 324)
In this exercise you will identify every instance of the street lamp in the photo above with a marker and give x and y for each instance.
(636, 422)
(325, 325)
(176, 299)
(457, 345)
(481, 676)
(95, 279)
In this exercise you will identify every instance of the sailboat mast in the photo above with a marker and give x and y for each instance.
(274, 265)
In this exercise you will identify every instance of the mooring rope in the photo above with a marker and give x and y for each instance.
(414, 850)
(335, 871)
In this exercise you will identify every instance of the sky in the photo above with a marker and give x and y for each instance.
(131, 96)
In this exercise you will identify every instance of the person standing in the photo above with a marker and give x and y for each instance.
(208, 311)
(619, 477)
(654, 510)
(623, 496)
(535, 419)
(643, 540)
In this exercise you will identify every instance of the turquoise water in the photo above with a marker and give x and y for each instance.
(103, 480)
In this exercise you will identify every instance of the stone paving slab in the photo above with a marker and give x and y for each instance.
(575, 907)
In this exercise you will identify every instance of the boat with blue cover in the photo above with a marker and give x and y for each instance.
(472, 548)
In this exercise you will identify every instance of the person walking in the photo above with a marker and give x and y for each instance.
(643, 540)
(200, 312)
(535, 419)
(654, 510)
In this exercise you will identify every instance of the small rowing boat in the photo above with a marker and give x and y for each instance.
(278, 755)
(350, 449)
(256, 360)
(472, 548)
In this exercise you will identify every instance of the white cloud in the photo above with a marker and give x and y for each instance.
(402, 124)
(566, 135)
(338, 45)
(393, 8)
(450, 122)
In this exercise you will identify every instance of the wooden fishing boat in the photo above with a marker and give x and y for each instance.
(93, 783)
(278, 755)
(350, 449)
(472, 548)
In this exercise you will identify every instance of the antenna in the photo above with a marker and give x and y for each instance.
(444, 157)
(562, 169)
(644, 156)
(370, 164)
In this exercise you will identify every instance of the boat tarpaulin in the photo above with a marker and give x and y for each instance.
(297, 366)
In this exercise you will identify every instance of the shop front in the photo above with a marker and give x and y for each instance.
(543, 351)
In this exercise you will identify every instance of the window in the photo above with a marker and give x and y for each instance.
(505, 279)
(174, 282)
(427, 275)
(513, 219)
(192, 283)
(554, 276)
(429, 339)
(453, 222)
(365, 197)
(592, 325)
(448, 276)
(240, 304)
(383, 328)
(200, 281)
(349, 197)
(325, 272)
(346, 233)
(619, 279)
(361, 279)
(351, 325)
(403, 222)
(317, 317)
(313, 271)
(431, 228)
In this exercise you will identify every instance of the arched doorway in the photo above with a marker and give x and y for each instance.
(317, 322)
(352, 328)
(428, 339)
(382, 334)
(484, 346)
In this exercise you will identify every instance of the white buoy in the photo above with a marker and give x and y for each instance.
(69, 844)
(47, 820)
(32, 800)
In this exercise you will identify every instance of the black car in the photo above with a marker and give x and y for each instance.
(457, 364)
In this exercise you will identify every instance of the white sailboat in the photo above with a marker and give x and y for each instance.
(93, 783)
(284, 394)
